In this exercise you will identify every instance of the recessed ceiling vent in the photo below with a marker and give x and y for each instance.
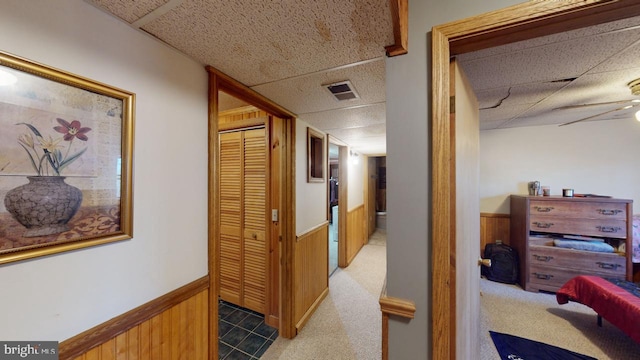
(343, 90)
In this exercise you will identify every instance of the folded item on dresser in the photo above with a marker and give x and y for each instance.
(598, 246)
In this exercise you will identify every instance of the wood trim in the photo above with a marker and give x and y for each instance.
(392, 306)
(85, 341)
(495, 215)
(400, 21)
(519, 22)
(233, 87)
(287, 298)
(343, 198)
(533, 19)
(212, 215)
(397, 306)
(222, 82)
(238, 111)
(243, 124)
(309, 232)
(385, 336)
(441, 201)
(312, 309)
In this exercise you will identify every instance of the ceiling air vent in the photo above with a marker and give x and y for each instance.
(343, 90)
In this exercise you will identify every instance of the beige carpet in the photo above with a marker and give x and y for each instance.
(538, 316)
(347, 325)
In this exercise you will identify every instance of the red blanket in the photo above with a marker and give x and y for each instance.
(616, 305)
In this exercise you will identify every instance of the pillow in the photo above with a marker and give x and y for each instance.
(599, 246)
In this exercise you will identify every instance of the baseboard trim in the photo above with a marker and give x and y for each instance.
(311, 310)
(85, 341)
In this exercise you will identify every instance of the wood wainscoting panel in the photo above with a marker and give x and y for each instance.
(356, 232)
(311, 268)
(494, 227)
(174, 326)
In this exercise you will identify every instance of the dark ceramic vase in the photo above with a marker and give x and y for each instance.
(44, 206)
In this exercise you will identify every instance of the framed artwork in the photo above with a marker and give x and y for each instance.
(315, 156)
(66, 154)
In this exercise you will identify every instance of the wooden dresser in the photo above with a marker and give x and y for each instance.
(536, 220)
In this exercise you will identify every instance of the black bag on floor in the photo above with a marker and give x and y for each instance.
(504, 263)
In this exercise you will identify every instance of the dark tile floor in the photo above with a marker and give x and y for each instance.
(242, 333)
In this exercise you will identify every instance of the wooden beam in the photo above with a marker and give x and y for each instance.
(400, 20)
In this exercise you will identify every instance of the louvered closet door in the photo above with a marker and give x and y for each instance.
(255, 246)
(231, 216)
(243, 246)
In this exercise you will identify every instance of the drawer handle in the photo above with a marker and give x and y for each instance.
(543, 225)
(544, 209)
(608, 266)
(542, 258)
(543, 276)
(609, 212)
(609, 229)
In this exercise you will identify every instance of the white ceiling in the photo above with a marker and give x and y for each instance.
(529, 83)
(286, 51)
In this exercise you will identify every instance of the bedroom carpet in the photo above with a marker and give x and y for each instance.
(538, 316)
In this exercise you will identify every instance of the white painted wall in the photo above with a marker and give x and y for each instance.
(408, 205)
(311, 198)
(597, 157)
(59, 296)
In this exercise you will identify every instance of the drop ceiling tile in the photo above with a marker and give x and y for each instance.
(347, 118)
(307, 94)
(128, 10)
(372, 145)
(257, 41)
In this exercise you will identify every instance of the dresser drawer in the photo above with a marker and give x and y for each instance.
(608, 264)
(591, 227)
(579, 209)
(549, 276)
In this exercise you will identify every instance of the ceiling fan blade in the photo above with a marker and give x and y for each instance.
(596, 115)
(594, 104)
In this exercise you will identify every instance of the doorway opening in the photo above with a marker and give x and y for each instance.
(334, 201)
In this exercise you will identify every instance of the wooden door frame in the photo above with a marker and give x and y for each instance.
(219, 81)
(520, 22)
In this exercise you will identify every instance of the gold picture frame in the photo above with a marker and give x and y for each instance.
(66, 161)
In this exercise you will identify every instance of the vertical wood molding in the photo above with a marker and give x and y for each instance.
(141, 331)
(441, 216)
(400, 21)
(212, 215)
(343, 199)
(520, 22)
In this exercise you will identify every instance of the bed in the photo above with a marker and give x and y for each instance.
(617, 301)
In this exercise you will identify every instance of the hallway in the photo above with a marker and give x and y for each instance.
(347, 325)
